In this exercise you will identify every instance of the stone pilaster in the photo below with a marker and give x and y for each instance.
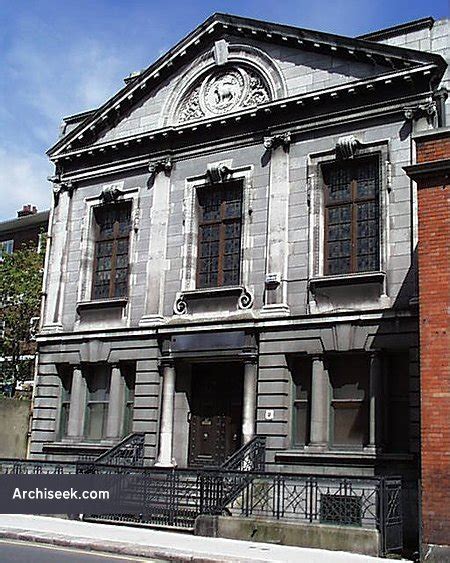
(57, 260)
(277, 229)
(157, 261)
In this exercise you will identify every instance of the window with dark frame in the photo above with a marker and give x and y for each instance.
(397, 401)
(301, 378)
(352, 216)
(130, 381)
(349, 380)
(110, 277)
(66, 390)
(98, 379)
(219, 236)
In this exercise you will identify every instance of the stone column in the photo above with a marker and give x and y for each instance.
(167, 410)
(375, 401)
(320, 404)
(277, 228)
(75, 424)
(249, 401)
(116, 404)
(157, 251)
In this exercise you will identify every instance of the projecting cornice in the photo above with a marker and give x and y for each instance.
(385, 56)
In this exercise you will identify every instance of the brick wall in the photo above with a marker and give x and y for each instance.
(434, 289)
(433, 149)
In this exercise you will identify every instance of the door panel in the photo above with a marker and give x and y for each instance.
(216, 413)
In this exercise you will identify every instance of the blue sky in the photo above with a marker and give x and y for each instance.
(62, 57)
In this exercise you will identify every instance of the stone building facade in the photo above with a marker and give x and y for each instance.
(232, 252)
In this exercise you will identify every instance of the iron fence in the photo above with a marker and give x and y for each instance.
(176, 497)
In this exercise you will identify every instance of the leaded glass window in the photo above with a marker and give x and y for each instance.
(219, 242)
(352, 216)
(111, 251)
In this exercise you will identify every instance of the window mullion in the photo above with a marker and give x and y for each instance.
(221, 253)
(112, 280)
(354, 212)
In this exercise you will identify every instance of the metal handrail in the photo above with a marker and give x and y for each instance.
(250, 457)
(131, 449)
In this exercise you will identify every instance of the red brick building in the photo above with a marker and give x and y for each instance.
(27, 227)
(432, 176)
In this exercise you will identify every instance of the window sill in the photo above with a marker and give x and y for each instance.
(347, 279)
(348, 292)
(102, 304)
(236, 293)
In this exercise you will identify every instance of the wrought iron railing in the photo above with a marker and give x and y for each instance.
(176, 497)
(251, 457)
(130, 451)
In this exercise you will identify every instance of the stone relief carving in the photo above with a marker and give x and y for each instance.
(347, 147)
(222, 91)
(110, 194)
(218, 172)
(428, 110)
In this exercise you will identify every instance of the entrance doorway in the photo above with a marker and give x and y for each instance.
(215, 420)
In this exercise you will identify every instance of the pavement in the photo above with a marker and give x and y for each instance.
(155, 544)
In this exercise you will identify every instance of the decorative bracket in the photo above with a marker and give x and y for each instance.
(161, 165)
(246, 299)
(217, 172)
(180, 305)
(275, 141)
(347, 147)
(60, 186)
(428, 110)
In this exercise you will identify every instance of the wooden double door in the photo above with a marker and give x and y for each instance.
(215, 419)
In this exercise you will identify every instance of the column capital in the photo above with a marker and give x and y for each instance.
(250, 359)
(279, 140)
(166, 362)
(317, 356)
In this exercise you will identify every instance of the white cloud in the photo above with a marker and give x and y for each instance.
(23, 179)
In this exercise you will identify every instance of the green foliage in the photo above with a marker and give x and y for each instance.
(20, 301)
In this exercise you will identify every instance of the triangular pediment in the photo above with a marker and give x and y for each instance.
(232, 64)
